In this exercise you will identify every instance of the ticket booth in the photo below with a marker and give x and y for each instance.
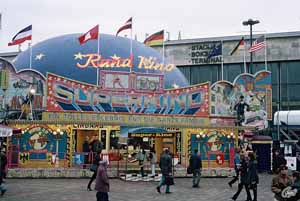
(152, 138)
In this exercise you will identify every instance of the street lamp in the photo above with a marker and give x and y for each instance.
(31, 96)
(198, 136)
(57, 135)
(32, 91)
(250, 22)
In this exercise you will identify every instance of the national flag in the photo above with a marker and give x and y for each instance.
(127, 25)
(258, 44)
(90, 35)
(240, 45)
(22, 36)
(216, 51)
(155, 39)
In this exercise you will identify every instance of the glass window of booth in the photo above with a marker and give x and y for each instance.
(103, 138)
(114, 139)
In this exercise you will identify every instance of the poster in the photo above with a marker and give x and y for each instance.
(257, 93)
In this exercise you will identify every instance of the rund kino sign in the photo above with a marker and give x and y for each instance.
(125, 120)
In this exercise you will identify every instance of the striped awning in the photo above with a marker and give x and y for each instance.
(5, 131)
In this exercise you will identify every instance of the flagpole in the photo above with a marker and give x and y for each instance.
(98, 52)
(266, 64)
(131, 51)
(245, 65)
(163, 48)
(30, 54)
(222, 64)
(30, 50)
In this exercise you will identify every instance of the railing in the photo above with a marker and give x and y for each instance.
(31, 159)
(85, 159)
(117, 162)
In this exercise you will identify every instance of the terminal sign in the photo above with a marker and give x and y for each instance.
(199, 54)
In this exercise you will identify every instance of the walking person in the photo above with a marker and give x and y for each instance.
(196, 167)
(296, 186)
(102, 182)
(165, 165)
(141, 157)
(244, 180)
(3, 162)
(96, 144)
(278, 161)
(153, 161)
(237, 165)
(94, 168)
(280, 182)
(253, 176)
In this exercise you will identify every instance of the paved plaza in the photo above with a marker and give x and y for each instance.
(211, 189)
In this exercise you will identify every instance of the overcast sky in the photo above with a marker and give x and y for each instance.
(194, 18)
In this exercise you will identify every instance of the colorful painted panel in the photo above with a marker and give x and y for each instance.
(16, 88)
(257, 92)
(69, 95)
(38, 142)
(212, 144)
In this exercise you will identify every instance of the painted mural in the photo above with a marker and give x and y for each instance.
(257, 93)
(15, 89)
(214, 145)
(68, 95)
(38, 143)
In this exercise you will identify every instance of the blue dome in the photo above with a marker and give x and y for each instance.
(57, 55)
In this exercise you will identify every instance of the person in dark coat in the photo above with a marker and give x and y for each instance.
(196, 166)
(237, 165)
(86, 150)
(281, 182)
(165, 165)
(3, 162)
(296, 186)
(97, 145)
(244, 180)
(96, 161)
(252, 174)
(102, 182)
(278, 161)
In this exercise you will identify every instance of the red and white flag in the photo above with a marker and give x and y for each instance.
(22, 36)
(90, 35)
(127, 25)
(258, 44)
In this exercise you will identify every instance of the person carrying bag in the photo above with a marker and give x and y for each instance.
(165, 165)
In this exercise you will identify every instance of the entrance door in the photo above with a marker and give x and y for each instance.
(161, 143)
(82, 136)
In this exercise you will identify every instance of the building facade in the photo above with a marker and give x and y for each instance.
(282, 55)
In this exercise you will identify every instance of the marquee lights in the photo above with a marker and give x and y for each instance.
(96, 61)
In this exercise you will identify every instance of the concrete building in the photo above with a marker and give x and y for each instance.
(283, 60)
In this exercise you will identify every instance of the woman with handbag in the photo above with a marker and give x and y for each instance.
(253, 176)
(94, 168)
